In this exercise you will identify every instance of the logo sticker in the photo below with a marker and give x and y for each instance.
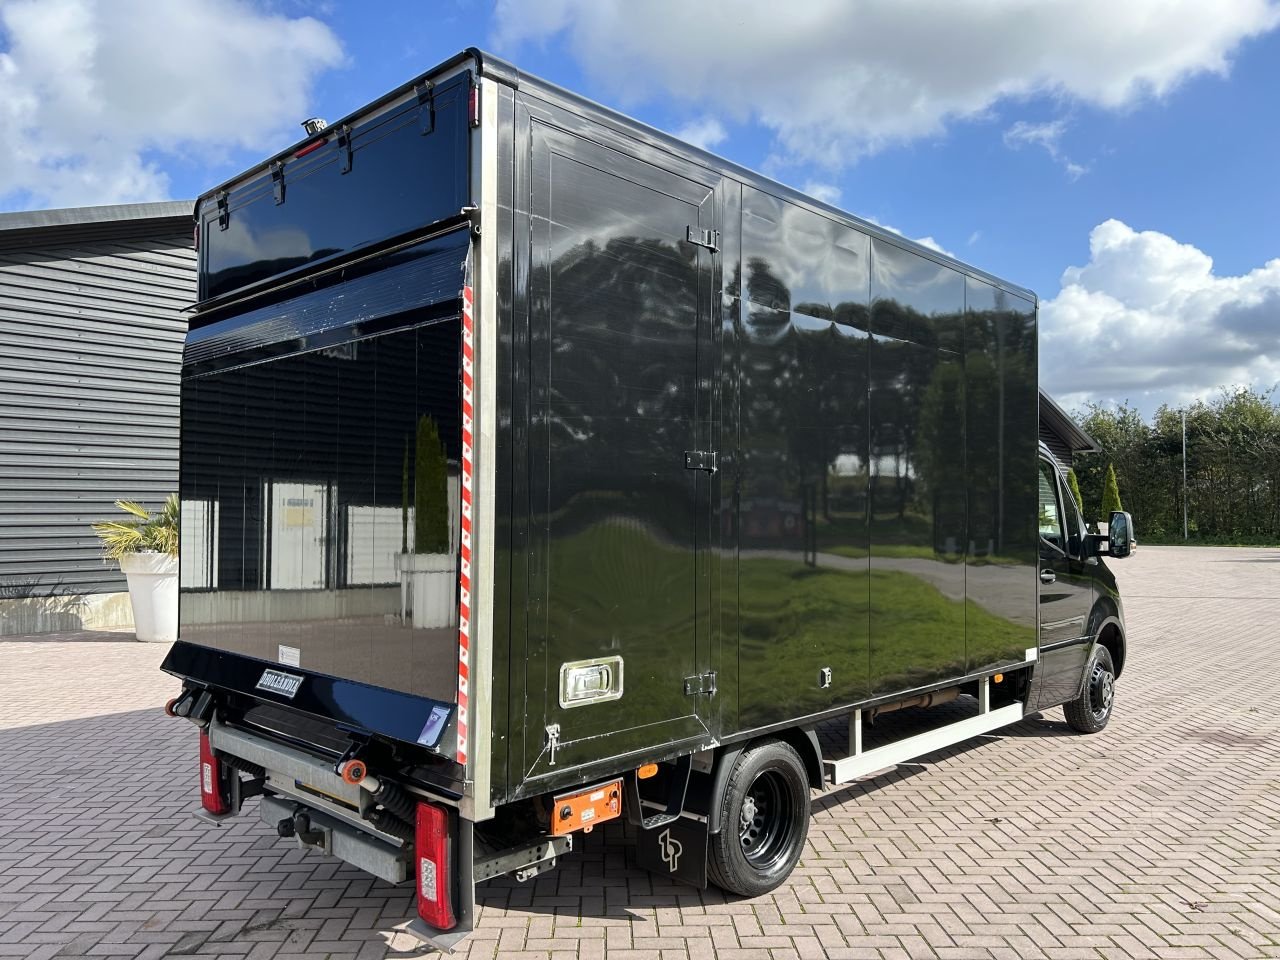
(669, 850)
(279, 682)
(434, 726)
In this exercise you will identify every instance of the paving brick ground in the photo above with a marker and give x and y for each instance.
(1159, 838)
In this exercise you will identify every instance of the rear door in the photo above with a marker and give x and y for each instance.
(620, 293)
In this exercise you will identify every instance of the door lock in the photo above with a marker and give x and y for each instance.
(1048, 576)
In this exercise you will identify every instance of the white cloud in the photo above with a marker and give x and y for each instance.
(834, 80)
(704, 132)
(1044, 135)
(91, 91)
(1074, 170)
(1148, 320)
(826, 192)
(1047, 136)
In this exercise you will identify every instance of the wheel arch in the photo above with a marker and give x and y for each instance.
(803, 741)
(1108, 631)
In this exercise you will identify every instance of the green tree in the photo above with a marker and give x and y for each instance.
(1074, 486)
(430, 491)
(1110, 493)
(1125, 439)
(1232, 487)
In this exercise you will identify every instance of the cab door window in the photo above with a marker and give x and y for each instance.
(1051, 520)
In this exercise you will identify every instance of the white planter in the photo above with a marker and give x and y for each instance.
(430, 580)
(153, 594)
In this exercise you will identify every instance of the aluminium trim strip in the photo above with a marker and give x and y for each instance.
(479, 804)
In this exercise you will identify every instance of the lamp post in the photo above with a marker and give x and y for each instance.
(1184, 475)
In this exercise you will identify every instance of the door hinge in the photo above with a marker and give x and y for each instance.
(553, 741)
(277, 181)
(426, 107)
(702, 683)
(224, 210)
(700, 460)
(703, 238)
(344, 149)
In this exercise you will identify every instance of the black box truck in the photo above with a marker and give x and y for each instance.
(538, 469)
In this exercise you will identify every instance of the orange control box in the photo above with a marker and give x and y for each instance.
(584, 809)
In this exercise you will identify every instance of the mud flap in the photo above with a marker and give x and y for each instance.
(677, 850)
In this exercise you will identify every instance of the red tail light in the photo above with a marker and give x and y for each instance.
(211, 796)
(311, 147)
(434, 856)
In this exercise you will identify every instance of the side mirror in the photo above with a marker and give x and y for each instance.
(1120, 534)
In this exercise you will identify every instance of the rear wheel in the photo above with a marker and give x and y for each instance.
(1090, 711)
(764, 816)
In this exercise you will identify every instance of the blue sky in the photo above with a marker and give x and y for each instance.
(1118, 159)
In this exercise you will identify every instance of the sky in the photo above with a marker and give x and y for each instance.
(1117, 158)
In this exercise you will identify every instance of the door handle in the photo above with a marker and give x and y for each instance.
(1048, 576)
(700, 460)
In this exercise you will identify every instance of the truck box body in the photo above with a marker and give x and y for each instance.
(720, 459)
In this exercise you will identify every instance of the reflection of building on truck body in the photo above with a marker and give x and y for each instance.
(734, 465)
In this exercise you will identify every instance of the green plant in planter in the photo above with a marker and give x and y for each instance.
(146, 532)
(430, 491)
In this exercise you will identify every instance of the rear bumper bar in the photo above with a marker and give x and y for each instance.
(297, 782)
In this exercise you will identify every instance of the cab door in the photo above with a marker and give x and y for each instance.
(1066, 592)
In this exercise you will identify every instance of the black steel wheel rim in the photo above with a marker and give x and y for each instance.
(1102, 691)
(766, 820)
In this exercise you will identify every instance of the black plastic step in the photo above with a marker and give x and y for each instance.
(678, 773)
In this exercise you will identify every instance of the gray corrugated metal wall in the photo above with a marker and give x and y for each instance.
(1057, 446)
(91, 332)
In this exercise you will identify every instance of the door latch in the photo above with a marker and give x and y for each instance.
(553, 741)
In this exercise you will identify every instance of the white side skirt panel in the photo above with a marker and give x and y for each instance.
(877, 759)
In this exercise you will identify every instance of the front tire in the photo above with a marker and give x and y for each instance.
(1090, 712)
(764, 816)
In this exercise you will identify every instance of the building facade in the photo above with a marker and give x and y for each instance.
(1061, 434)
(92, 323)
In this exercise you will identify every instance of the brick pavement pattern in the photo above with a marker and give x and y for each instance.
(1158, 838)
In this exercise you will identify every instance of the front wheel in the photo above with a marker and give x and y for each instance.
(765, 816)
(1089, 712)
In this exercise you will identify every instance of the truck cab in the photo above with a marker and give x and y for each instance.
(1082, 638)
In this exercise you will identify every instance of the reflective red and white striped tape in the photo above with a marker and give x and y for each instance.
(464, 560)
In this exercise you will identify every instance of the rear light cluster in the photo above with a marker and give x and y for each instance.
(433, 854)
(212, 797)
